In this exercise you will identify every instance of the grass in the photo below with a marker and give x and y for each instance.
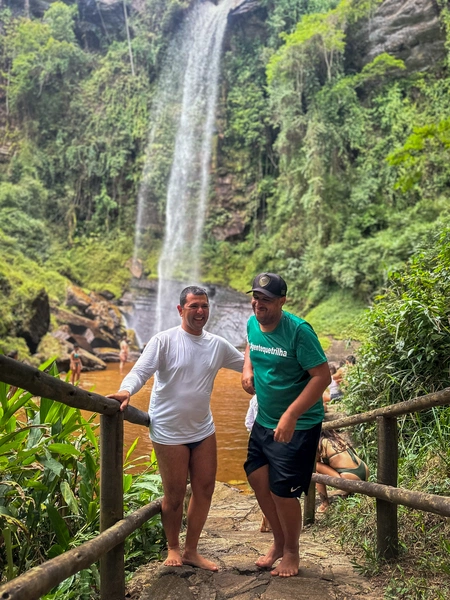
(338, 316)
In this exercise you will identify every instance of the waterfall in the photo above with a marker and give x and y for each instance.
(183, 112)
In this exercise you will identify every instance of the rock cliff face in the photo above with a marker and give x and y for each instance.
(407, 29)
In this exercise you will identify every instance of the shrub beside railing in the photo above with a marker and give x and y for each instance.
(386, 492)
(108, 547)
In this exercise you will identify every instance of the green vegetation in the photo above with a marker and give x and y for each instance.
(405, 354)
(339, 172)
(348, 174)
(338, 316)
(49, 493)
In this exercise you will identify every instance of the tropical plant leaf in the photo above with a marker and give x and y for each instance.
(63, 449)
(69, 497)
(59, 526)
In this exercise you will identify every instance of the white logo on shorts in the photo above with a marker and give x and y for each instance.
(294, 489)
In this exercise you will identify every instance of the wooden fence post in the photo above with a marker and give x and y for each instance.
(309, 505)
(112, 573)
(387, 474)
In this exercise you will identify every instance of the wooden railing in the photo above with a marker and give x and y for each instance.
(108, 546)
(386, 492)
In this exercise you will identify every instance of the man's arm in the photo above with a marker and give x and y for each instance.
(320, 380)
(141, 372)
(247, 373)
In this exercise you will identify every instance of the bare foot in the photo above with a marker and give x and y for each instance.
(266, 562)
(323, 507)
(173, 558)
(288, 566)
(197, 560)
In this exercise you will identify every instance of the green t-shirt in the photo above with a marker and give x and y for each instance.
(280, 360)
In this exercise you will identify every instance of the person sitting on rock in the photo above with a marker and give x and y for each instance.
(337, 458)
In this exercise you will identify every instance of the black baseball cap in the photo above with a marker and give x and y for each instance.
(270, 284)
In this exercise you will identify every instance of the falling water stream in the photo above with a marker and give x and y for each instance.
(183, 111)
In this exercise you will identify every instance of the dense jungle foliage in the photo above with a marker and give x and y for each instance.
(339, 174)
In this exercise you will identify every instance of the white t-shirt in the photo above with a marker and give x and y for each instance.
(185, 367)
(252, 411)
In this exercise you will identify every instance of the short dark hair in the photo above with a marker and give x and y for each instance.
(351, 359)
(194, 290)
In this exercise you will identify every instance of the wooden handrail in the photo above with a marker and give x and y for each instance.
(439, 505)
(393, 410)
(41, 384)
(41, 579)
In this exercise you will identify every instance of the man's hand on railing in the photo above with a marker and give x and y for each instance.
(122, 396)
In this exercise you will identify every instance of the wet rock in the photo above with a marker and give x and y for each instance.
(107, 354)
(242, 7)
(135, 267)
(36, 322)
(88, 333)
(170, 587)
(75, 296)
(59, 344)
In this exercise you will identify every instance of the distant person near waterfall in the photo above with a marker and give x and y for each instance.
(75, 364)
(287, 369)
(123, 354)
(185, 361)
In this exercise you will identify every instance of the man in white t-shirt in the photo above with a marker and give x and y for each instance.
(185, 361)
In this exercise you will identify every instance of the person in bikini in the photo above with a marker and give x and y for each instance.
(185, 361)
(123, 354)
(75, 364)
(337, 458)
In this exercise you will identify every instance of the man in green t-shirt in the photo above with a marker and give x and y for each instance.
(287, 369)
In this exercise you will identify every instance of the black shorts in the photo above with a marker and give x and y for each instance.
(290, 465)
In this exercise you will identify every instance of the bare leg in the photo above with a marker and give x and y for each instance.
(321, 487)
(259, 480)
(265, 525)
(202, 468)
(290, 514)
(173, 463)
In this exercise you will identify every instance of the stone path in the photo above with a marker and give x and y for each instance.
(232, 540)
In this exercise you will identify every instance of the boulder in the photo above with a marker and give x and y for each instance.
(76, 297)
(86, 332)
(107, 354)
(57, 345)
(37, 321)
(135, 266)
